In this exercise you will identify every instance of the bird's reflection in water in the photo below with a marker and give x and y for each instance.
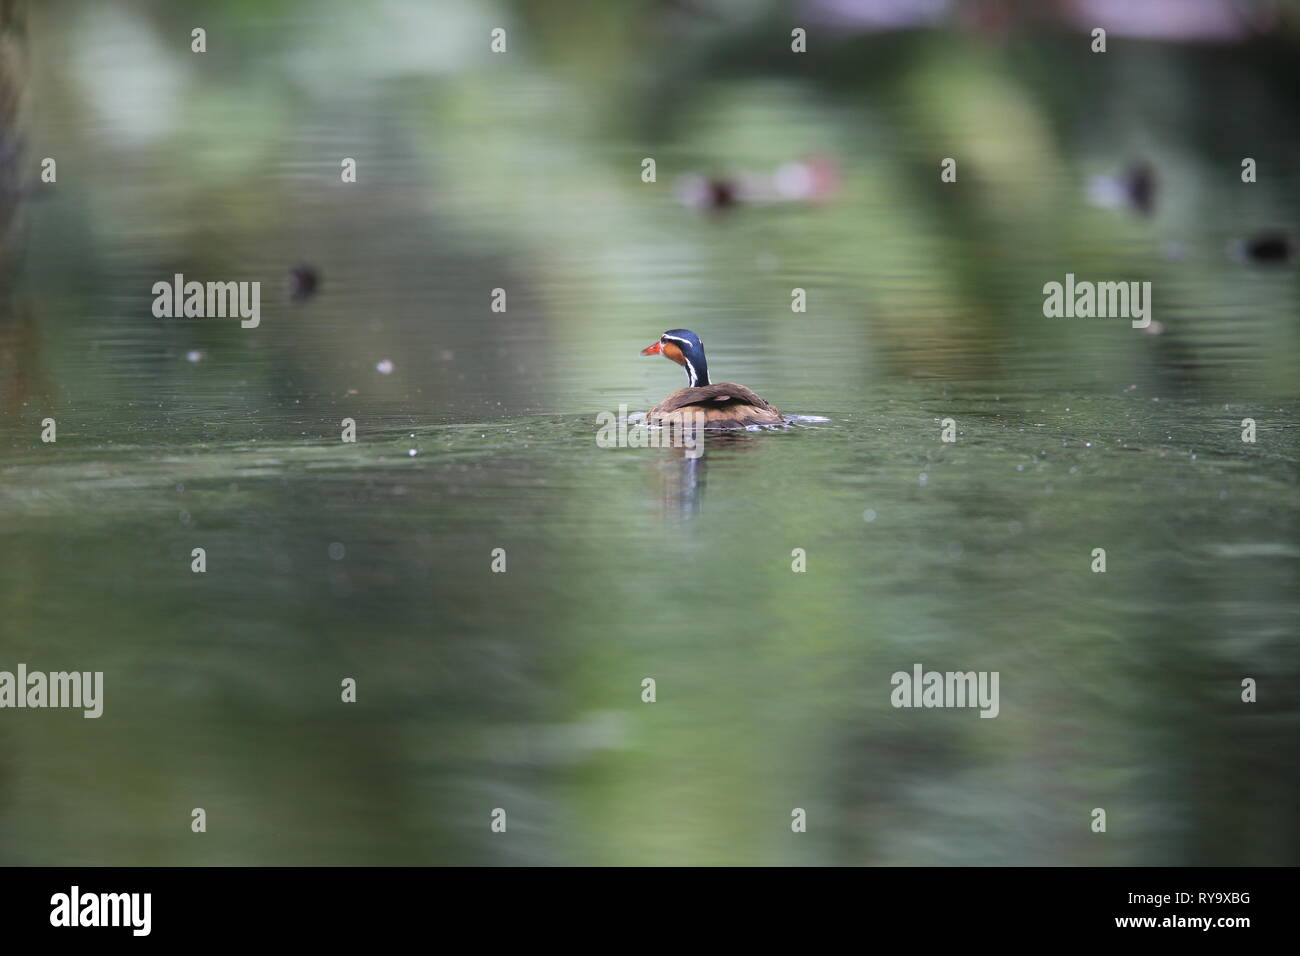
(680, 472)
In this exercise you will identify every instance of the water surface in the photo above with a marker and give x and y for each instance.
(522, 690)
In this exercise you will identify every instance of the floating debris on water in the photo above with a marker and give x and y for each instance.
(812, 179)
(1271, 247)
(303, 283)
(1135, 189)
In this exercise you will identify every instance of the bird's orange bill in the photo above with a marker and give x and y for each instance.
(653, 349)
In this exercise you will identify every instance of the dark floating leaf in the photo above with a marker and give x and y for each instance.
(1140, 187)
(303, 283)
(722, 194)
(1133, 188)
(1269, 247)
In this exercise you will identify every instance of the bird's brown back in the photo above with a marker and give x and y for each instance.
(720, 394)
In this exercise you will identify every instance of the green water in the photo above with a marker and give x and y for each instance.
(523, 690)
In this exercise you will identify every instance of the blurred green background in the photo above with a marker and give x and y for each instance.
(522, 690)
